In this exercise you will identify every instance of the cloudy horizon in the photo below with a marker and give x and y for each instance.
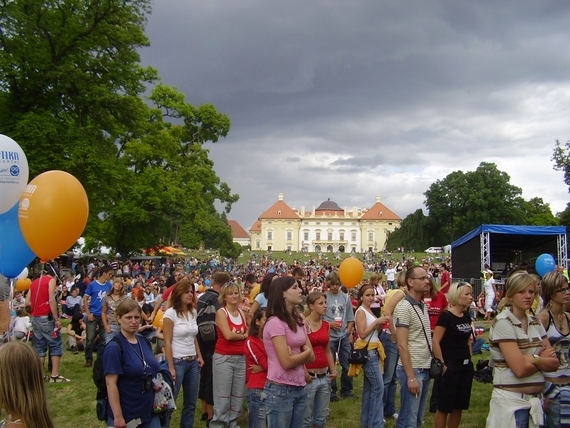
(349, 100)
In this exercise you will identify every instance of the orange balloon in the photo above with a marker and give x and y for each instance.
(351, 272)
(23, 284)
(157, 322)
(48, 223)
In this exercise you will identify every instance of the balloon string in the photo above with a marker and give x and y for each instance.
(54, 272)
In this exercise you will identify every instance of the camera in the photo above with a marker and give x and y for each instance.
(147, 381)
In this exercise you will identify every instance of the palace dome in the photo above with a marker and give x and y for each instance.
(329, 205)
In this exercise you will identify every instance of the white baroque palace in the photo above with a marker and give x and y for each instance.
(327, 228)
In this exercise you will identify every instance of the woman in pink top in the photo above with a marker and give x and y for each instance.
(288, 349)
(228, 371)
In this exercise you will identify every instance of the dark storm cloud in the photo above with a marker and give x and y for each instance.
(350, 100)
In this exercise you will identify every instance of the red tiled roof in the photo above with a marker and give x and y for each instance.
(237, 230)
(280, 210)
(256, 226)
(374, 213)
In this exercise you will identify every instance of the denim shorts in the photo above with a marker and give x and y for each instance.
(43, 334)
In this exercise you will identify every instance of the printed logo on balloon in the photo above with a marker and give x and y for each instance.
(15, 254)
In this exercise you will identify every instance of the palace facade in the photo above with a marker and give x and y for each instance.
(327, 228)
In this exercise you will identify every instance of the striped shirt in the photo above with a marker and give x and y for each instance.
(407, 314)
(508, 328)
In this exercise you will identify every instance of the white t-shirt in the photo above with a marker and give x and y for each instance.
(183, 334)
(390, 274)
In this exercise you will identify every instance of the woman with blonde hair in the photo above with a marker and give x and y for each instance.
(22, 390)
(112, 300)
(181, 347)
(520, 352)
(556, 322)
(229, 359)
(452, 346)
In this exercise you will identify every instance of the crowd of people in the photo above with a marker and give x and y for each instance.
(273, 335)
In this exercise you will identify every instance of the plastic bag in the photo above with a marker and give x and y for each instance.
(163, 396)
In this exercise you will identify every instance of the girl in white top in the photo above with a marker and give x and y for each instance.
(520, 352)
(367, 326)
(181, 347)
(380, 294)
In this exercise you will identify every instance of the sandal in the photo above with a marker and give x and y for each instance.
(46, 378)
(58, 379)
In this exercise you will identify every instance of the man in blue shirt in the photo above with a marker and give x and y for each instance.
(93, 304)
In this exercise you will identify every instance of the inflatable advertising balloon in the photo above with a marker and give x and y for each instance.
(48, 227)
(23, 274)
(351, 272)
(13, 173)
(157, 322)
(545, 263)
(15, 253)
(23, 284)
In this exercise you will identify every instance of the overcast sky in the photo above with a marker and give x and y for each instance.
(351, 99)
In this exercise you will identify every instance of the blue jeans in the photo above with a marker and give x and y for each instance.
(115, 330)
(522, 417)
(389, 376)
(345, 379)
(228, 374)
(558, 413)
(187, 377)
(43, 334)
(91, 333)
(412, 408)
(256, 414)
(318, 397)
(372, 414)
(285, 405)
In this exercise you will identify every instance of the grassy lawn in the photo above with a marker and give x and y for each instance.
(73, 404)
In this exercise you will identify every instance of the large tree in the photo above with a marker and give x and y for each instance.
(71, 94)
(413, 233)
(463, 201)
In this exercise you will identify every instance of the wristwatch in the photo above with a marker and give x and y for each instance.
(536, 359)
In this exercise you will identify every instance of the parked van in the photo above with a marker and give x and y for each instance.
(434, 250)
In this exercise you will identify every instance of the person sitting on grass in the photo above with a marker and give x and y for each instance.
(22, 390)
(22, 325)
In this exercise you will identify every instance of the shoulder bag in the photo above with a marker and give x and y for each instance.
(436, 366)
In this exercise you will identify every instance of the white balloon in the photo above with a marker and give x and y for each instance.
(13, 173)
(23, 274)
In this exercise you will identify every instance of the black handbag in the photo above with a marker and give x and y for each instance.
(359, 356)
(436, 365)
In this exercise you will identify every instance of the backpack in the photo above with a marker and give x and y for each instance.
(100, 382)
(206, 318)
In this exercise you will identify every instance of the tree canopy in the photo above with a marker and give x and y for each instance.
(463, 201)
(74, 96)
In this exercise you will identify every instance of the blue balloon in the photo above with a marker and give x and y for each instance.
(545, 263)
(15, 254)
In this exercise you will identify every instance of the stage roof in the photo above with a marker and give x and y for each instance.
(514, 236)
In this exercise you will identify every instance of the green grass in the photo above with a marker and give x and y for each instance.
(73, 404)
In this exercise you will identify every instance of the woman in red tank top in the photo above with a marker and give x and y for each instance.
(319, 373)
(229, 359)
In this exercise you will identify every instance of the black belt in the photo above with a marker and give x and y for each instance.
(318, 375)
